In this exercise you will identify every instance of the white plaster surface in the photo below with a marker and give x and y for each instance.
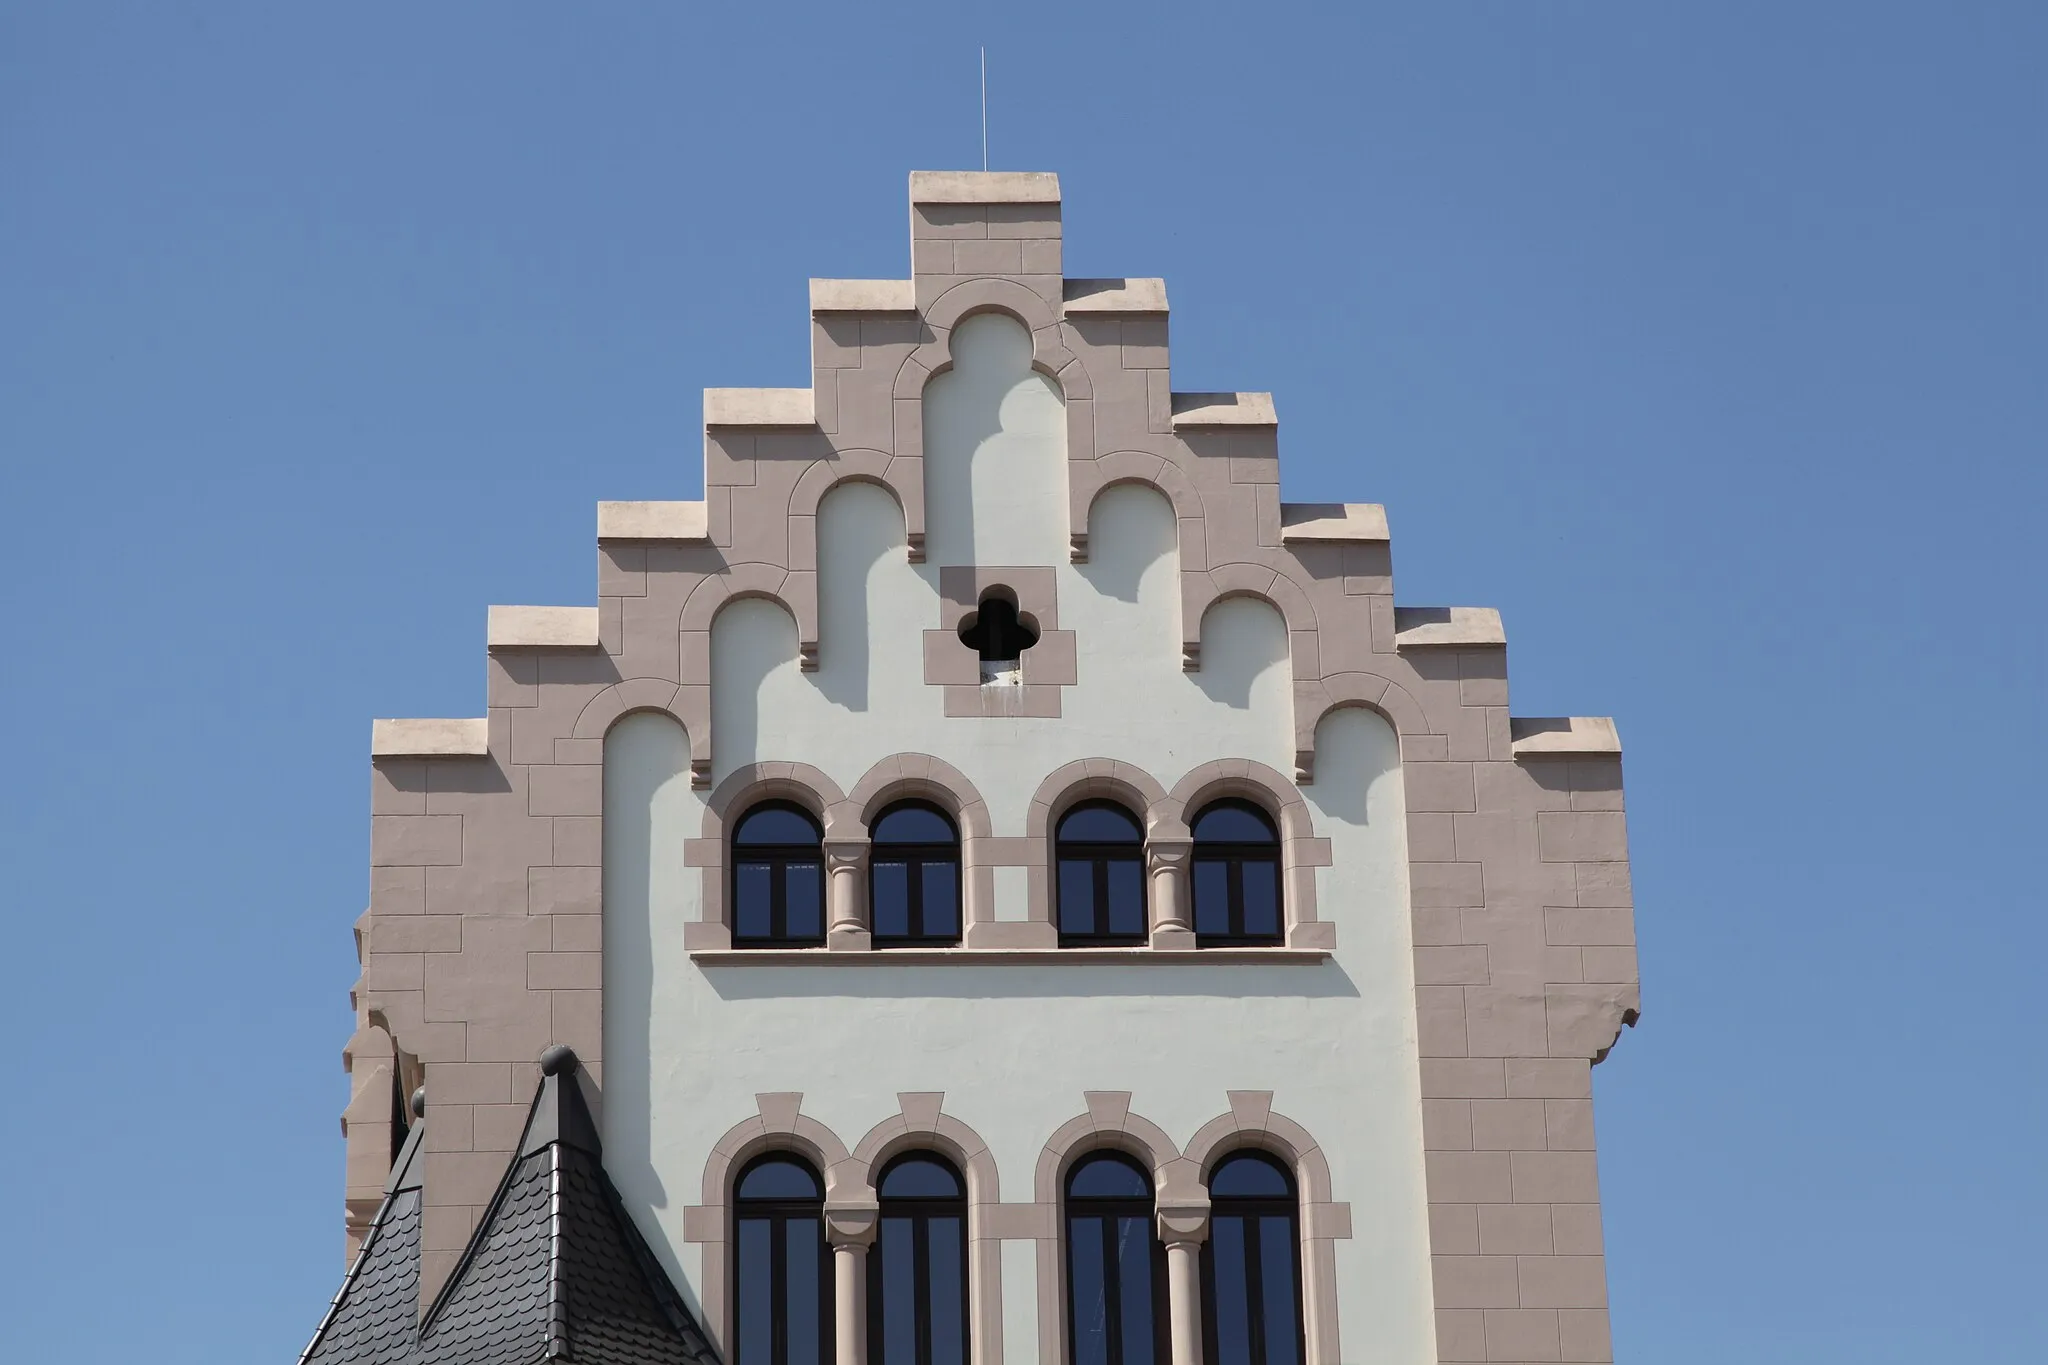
(688, 1047)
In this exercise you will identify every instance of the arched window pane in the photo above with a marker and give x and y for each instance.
(909, 824)
(1108, 1177)
(809, 1291)
(777, 824)
(1099, 822)
(1235, 822)
(949, 1292)
(778, 1179)
(920, 1178)
(1250, 1177)
(1281, 1296)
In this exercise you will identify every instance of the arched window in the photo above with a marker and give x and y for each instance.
(1251, 1265)
(778, 878)
(914, 877)
(917, 1272)
(1236, 875)
(1099, 849)
(782, 1271)
(1116, 1267)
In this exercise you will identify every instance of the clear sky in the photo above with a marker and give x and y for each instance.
(1706, 342)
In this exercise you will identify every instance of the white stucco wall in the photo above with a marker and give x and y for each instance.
(1013, 1047)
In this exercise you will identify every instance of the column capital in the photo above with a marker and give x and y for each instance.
(852, 1225)
(1167, 853)
(1184, 1222)
(846, 853)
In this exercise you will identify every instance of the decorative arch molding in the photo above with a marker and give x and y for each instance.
(1201, 589)
(796, 592)
(904, 776)
(778, 1125)
(1107, 1125)
(1313, 701)
(622, 699)
(903, 478)
(1252, 1125)
(1301, 850)
(1088, 479)
(1086, 779)
(799, 783)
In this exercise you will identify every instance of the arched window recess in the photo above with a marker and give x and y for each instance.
(1237, 886)
(782, 1266)
(914, 877)
(1099, 869)
(917, 1271)
(1251, 1264)
(778, 878)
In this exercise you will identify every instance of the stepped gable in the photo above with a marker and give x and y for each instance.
(555, 1270)
(374, 1316)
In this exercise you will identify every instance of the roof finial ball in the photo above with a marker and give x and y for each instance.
(559, 1060)
(419, 1103)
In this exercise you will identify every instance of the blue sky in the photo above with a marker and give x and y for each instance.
(1706, 342)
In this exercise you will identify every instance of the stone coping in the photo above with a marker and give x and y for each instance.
(1224, 410)
(542, 627)
(652, 521)
(1447, 627)
(1114, 296)
(430, 738)
(984, 187)
(1563, 736)
(1332, 521)
(1003, 957)
(759, 408)
(863, 296)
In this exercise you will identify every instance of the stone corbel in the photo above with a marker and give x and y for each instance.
(852, 1225)
(1166, 876)
(846, 885)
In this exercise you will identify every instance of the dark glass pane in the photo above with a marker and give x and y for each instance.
(889, 903)
(1100, 825)
(754, 1332)
(941, 900)
(1229, 1294)
(1249, 1177)
(912, 825)
(1134, 1267)
(807, 1308)
(920, 1178)
(1212, 897)
(1077, 897)
(750, 894)
(804, 885)
(1108, 1177)
(1231, 822)
(780, 1180)
(1261, 899)
(777, 825)
(1088, 1292)
(949, 1322)
(1276, 1275)
(895, 1261)
(1126, 896)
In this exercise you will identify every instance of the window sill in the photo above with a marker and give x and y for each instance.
(1007, 957)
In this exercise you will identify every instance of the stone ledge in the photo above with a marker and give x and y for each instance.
(1004, 957)
(542, 628)
(430, 738)
(1114, 296)
(1563, 736)
(1332, 521)
(1224, 410)
(759, 408)
(652, 521)
(863, 296)
(984, 187)
(1447, 627)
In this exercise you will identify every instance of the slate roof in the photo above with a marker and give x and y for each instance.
(556, 1270)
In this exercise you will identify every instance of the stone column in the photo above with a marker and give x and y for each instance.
(1166, 871)
(851, 1231)
(1184, 1227)
(846, 895)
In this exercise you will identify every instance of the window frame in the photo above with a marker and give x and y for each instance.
(1100, 857)
(920, 1210)
(1111, 1209)
(1251, 1209)
(918, 856)
(779, 1213)
(1239, 859)
(780, 858)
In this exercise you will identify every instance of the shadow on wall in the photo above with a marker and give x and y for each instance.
(1358, 764)
(751, 639)
(1244, 639)
(995, 452)
(1132, 536)
(879, 979)
(860, 527)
